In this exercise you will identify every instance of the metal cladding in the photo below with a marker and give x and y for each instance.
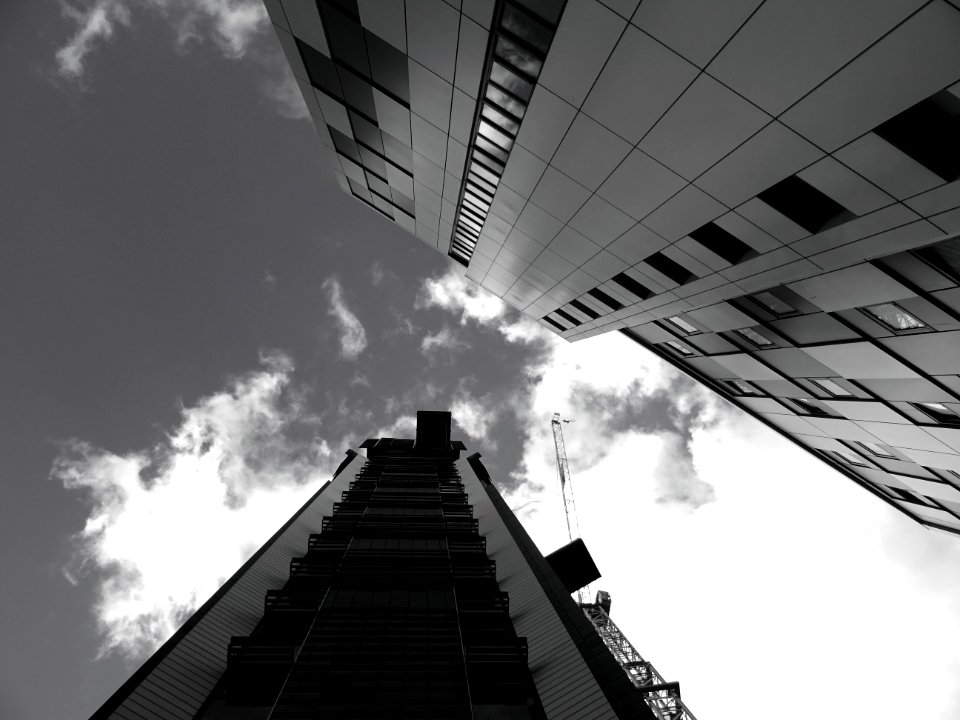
(764, 194)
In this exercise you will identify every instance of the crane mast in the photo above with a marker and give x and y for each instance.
(566, 486)
(663, 698)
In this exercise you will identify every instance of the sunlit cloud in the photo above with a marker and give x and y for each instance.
(443, 339)
(353, 337)
(475, 418)
(225, 477)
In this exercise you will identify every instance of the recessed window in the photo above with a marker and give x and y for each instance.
(721, 243)
(679, 349)
(874, 449)
(671, 268)
(679, 322)
(755, 336)
(588, 311)
(631, 285)
(809, 406)
(557, 325)
(927, 132)
(831, 388)
(568, 317)
(805, 205)
(600, 295)
(945, 256)
(894, 317)
(851, 458)
(741, 387)
(775, 304)
(938, 412)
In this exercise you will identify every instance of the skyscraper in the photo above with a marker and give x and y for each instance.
(766, 193)
(405, 588)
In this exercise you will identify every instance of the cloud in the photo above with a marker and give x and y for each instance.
(238, 29)
(232, 470)
(475, 418)
(443, 339)
(353, 338)
(453, 292)
(95, 24)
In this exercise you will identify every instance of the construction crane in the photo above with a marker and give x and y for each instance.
(663, 698)
(566, 486)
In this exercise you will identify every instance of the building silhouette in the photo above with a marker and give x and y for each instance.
(405, 588)
(766, 194)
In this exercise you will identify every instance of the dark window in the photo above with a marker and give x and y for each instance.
(805, 205)
(321, 70)
(754, 336)
(403, 202)
(505, 100)
(518, 57)
(631, 285)
(549, 10)
(938, 412)
(600, 295)
(588, 311)
(510, 81)
(357, 93)
(894, 317)
(557, 325)
(568, 317)
(945, 256)
(928, 132)
(831, 388)
(718, 241)
(389, 68)
(373, 162)
(776, 305)
(672, 269)
(502, 120)
(344, 145)
(809, 406)
(679, 348)
(524, 27)
(346, 40)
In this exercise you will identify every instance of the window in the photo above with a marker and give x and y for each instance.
(741, 387)
(679, 322)
(679, 349)
(805, 205)
(894, 317)
(553, 322)
(831, 388)
(774, 304)
(755, 337)
(721, 243)
(927, 132)
(588, 311)
(938, 412)
(875, 449)
(600, 295)
(631, 285)
(672, 269)
(945, 257)
(568, 317)
(809, 406)
(851, 458)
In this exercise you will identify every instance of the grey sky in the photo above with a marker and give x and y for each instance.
(165, 225)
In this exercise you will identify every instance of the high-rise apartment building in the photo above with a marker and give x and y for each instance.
(405, 588)
(765, 193)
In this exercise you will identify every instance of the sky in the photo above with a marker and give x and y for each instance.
(196, 323)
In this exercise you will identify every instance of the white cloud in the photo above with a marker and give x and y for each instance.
(443, 339)
(353, 338)
(452, 291)
(474, 417)
(220, 484)
(95, 24)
